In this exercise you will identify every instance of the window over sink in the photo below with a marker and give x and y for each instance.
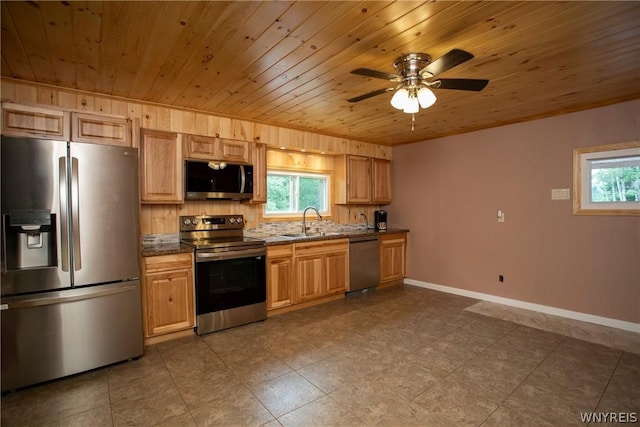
(290, 192)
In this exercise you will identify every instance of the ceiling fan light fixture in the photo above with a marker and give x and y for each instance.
(399, 99)
(411, 106)
(426, 97)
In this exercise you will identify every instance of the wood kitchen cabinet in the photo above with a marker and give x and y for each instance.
(161, 175)
(380, 181)
(35, 122)
(362, 180)
(279, 276)
(393, 248)
(96, 129)
(352, 179)
(219, 149)
(167, 294)
(321, 269)
(259, 160)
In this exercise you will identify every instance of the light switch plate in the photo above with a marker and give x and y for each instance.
(561, 194)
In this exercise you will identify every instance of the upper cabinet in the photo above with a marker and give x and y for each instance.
(362, 180)
(100, 129)
(259, 161)
(36, 122)
(212, 148)
(380, 181)
(161, 176)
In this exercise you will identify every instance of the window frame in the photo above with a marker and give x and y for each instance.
(582, 204)
(299, 173)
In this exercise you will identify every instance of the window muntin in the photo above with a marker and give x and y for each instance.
(290, 192)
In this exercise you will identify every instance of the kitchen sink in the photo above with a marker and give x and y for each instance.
(315, 234)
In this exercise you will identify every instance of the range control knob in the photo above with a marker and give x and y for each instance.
(186, 221)
(232, 220)
(194, 221)
(239, 220)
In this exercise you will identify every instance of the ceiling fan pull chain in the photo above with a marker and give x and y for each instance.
(413, 122)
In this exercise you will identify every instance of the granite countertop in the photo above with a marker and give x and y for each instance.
(176, 247)
(165, 248)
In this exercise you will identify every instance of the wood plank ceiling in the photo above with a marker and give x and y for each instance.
(288, 63)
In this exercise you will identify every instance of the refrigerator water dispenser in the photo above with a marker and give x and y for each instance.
(29, 239)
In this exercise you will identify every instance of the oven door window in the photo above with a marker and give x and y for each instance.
(231, 283)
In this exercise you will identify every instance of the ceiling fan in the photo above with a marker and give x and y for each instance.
(415, 74)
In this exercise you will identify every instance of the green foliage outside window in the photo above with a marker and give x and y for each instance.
(291, 193)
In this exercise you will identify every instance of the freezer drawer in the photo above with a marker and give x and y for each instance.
(52, 335)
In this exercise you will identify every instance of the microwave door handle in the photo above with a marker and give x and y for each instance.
(75, 215)
(243, 179)
(64, 214)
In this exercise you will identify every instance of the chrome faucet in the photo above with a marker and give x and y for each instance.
(366, 220)
(304, 218)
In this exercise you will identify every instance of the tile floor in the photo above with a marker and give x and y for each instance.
(398, 357)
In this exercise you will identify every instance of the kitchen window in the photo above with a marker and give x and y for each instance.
(290, 192)
(607, 180)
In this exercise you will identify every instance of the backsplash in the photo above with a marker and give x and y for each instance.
(267, 229)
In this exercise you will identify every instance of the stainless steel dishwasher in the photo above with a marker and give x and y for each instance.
(364, 262)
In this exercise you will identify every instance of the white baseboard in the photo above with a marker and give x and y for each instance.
(575, 315)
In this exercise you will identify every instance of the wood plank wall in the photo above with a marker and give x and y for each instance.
(164, 218)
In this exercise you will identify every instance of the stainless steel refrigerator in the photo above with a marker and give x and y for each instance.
(70, 299)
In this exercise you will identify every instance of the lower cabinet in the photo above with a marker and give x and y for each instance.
(393, 248)
(302, 272)
(279, 276)
(322, 269)
(167, 294)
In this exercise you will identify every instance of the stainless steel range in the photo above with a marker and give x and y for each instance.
(230, 276)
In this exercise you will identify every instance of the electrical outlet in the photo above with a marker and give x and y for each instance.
(501, 278)
(500, 215)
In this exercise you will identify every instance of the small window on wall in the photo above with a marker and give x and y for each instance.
(289, 193)
(606, 180)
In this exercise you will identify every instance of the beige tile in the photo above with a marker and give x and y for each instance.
(321, 413)
(150, 405)
(238, 407)
(286, 393)
(597, 334)
(400, 356)
(374, 404)
(70, 396)
(551, 407)
(16, 408)
(408, 377)
(454, 402)
(96, 417)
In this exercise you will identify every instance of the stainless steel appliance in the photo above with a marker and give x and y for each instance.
(364, 262)
(380, 220)
(70, 293)
(217, 180)
(230, 272)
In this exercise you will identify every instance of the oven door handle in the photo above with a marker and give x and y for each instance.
(218, 256)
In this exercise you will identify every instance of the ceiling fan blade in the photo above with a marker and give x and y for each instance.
(447, 61)
(460, 84)
(370, 94)
(377, 74)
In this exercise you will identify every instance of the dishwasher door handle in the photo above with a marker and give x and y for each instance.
(367, 238)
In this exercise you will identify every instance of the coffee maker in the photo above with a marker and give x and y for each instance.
(380, 220)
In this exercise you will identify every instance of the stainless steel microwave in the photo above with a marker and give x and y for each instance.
(217, 180)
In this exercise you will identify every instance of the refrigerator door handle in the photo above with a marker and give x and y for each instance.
(84, 294)
(64, 214)
(75, 215)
